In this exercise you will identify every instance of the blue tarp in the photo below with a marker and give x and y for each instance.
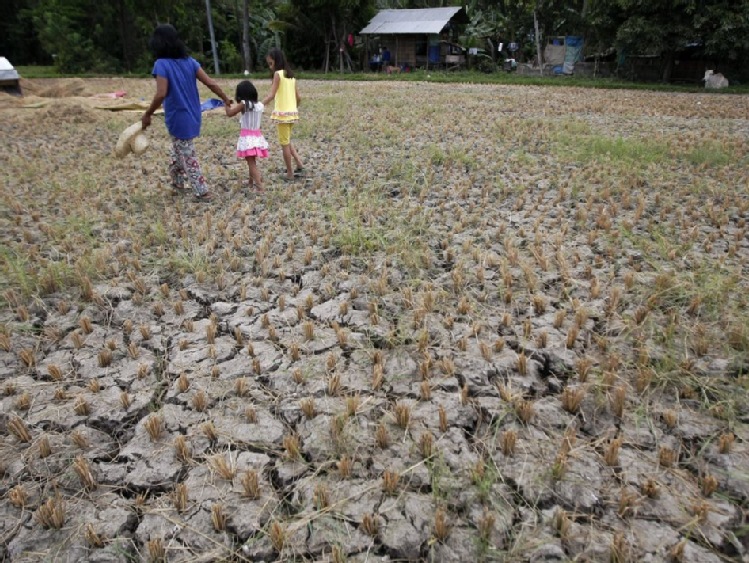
(211, 103)
(572, 52)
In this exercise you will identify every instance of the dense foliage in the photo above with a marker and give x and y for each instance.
(93, 36)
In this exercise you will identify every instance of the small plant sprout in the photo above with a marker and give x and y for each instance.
(77, 340)
(509, 439)
(238, 337)
(618, 400)
(241, 387)
(708, 484)
(562, 523)
(292, 447)
(425, 391)
(370, 524)
(83, 470)
(250, 414)
(353, 402)
(180, 498)
(45, 450)
(522, 364)
(23, 402)
(132, 351)
(441, 524)
(485, 524)
(210, 333)
(225, 469)
(572, 335)
(643, 379)
(667, 457)
(55, 372)
(250, 484)
(345, 465)
(156, 550)
(209, 430)
(145, 332)
(334, 385)
(382, 437)
(572, 398)
(294, 351)
(298, 376)
(218, 517)
(321, 496)
(524, 410)
(86, 325)
(277, 536)
(527, 328)
(559, 317)
(402, 413)
(650, 488)
(620, 552)
(200, 401)
(611, 456)
(377, 377)
(308, 328)
(51, 514)
(627, 502)
(442, 413)
(725, 442)
(215, 372)
(154, 426)
(18, 496)
(81, 407)
(426, 444)
(79, 439)
(670, 418)
(308, 407)
(182, 449)
(27, 357)
(390, 480)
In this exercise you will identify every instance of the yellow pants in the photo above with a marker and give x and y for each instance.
(284, 133)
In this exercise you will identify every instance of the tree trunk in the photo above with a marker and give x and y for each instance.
(246, 37)
(213, 36)
(538, 42)
(668, 66)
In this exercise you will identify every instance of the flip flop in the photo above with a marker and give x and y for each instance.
(286, 179)
(207, 197)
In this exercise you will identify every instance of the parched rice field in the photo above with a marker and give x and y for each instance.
(488, 323)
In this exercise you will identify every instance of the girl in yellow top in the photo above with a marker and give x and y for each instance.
(285, 114)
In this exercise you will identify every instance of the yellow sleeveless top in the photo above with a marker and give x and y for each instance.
(284, 109)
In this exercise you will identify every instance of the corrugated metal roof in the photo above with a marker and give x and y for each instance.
(428, 20)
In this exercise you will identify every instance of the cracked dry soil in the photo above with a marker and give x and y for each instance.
(490, 323)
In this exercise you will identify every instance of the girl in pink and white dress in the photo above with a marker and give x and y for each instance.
(251, 144)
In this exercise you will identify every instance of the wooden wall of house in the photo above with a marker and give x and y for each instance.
(402, 48)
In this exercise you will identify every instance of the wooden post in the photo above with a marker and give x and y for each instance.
(538, 43)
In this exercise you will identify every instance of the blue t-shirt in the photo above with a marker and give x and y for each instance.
(182, 103)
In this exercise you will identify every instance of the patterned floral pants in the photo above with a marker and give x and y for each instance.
(185, 164)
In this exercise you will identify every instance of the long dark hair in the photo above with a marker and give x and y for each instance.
(280, 62)
(247, 93)
(166, 44)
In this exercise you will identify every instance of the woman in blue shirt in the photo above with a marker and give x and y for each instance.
(175, 72)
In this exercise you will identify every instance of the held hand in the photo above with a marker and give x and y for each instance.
(145, 121)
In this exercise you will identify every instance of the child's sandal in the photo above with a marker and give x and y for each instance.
(207, 197)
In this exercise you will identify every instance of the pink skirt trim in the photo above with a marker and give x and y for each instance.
(259, 153)
(250, 133)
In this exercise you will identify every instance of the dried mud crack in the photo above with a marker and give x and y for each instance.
(514, 332)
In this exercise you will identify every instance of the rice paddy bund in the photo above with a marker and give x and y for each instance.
(489, 323)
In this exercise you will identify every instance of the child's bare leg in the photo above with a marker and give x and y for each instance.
(295, 156)
(255, 176)
(286, 149)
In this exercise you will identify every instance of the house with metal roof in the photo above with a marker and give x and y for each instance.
(417, 38)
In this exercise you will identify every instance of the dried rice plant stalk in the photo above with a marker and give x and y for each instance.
(51, 514)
